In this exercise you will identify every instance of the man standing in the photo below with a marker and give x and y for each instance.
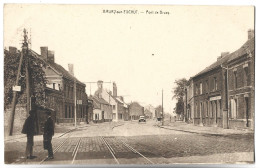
(29, 130)
(47, 134)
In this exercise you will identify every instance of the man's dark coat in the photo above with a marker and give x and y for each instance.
(48, 132)
(28, 127)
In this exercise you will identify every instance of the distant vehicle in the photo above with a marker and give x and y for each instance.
(142, 119)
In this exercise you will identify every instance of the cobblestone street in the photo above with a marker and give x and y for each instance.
(140, 144)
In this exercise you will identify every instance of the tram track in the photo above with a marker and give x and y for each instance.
(116, 155)
(61, 144)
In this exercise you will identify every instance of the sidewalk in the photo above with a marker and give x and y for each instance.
(182, 126)
(60, 130)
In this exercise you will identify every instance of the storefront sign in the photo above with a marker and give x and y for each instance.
(215, 98)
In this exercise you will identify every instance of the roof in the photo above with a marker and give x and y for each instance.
(58, 68)
(240, 52)
(64, 72)
(99, 100)
(96, 105)
(122, 102)
(249, 46)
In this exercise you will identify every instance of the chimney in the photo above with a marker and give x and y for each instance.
(251, 33)
(223, 54)
(50, 56)
(100, 84)
(114, 89)
(44, 53)
(12, 50)
(71, 69)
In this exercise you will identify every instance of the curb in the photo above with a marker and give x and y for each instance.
(203, 133)
(117, 125)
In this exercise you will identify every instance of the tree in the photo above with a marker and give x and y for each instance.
(38, 80)
(178, 94)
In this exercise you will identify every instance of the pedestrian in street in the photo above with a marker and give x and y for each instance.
(47, 134)
(29, 130)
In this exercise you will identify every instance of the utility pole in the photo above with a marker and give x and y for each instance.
(162, 109)
(14, 100)
(75, 102)
(27, 71)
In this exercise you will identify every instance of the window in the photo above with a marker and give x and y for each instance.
(211, 109)
(215, 84)
(114, 107)
(207, 86)
(196, 110)
(246, 77)
(201, 109)
(200, 87)
(72, 111)
(53, 85)
(66, 115)
(69, 112)
(235, 79)
(59, 87)
(234, 108)
(207, 109)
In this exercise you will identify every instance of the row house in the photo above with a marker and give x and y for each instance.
(89, 116)
(67, 84)
(59, 93)
(119, 107)
(135, 110)
(241, 85)
(208, 94)
(102, 111)
(223, 93)
(123, 112)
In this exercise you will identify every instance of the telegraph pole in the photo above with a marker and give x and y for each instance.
(28, 95)
(75, 101)
(14, 100)
(162, 109)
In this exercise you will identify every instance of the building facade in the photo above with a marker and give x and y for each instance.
(102, 111)
(241, 85)
(135, 110)
(223, 94)
(72, 90)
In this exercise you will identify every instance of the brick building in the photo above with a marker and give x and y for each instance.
(123, 112)
(89, 115)
(135, 110)
(63, 81)
(102, 111)
(119, 107)
(241, 85)
(223, 93)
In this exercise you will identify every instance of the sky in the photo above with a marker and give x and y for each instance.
(144, 53)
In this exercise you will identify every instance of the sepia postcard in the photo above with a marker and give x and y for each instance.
(128, 84)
